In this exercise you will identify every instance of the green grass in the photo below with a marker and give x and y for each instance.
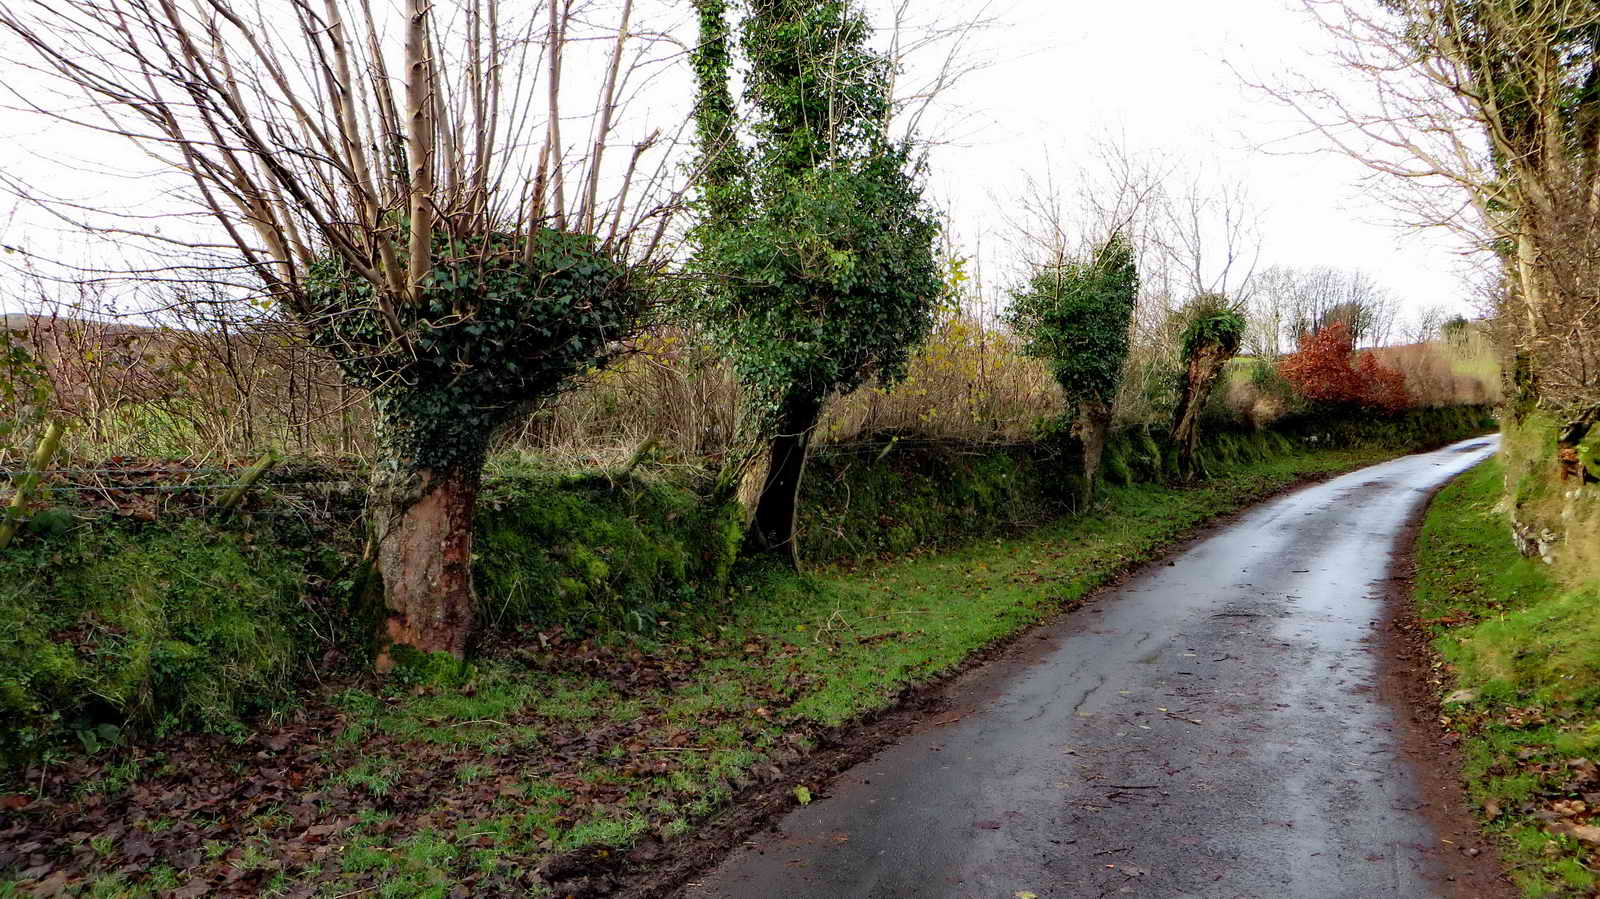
(590, 737)
(782, 658)
(593, 552)
(160, 626)
(1528, 649)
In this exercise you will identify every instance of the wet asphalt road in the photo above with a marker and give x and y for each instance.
(1208, 728)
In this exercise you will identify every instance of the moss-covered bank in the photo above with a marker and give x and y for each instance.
(1521, 653)
(1554, 497)
(160, 625)
(187, 622)
(896, 495)
(592, 553)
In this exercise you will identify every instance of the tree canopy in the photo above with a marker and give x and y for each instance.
(1075, 316)
(815, 238)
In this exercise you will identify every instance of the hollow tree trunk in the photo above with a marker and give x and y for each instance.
(1204, 368)
(421, 548)
(772, 528)
(1092, 424)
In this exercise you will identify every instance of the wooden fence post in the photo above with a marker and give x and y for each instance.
(246, 481)
(42, 454)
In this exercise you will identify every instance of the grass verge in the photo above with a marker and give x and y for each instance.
(564, 749)
(1520, 661)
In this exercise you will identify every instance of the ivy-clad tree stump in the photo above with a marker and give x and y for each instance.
(421, 524)
(1212, 335)
(500, 323)
(1076, 316)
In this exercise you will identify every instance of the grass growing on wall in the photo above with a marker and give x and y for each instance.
(1524, 650)
(165, 626)
(892, 497)
(185, 623)
(592, 552)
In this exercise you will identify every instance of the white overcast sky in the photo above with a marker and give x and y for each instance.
(1158, 75)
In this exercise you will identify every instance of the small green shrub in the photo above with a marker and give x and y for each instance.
(434, 669)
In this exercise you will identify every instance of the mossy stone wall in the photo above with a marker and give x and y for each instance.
(165, 625)
(896, 495)
(188, 623)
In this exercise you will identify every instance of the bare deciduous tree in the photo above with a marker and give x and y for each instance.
(396, 180)
(1483, 118)
(1291, 301)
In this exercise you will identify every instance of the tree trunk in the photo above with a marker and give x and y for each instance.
(421, 544)
(1204, 368)
(772, 528)
(1093, 422)
(1531, 278)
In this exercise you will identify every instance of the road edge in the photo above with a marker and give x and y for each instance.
(1469, 865)
(656, 870)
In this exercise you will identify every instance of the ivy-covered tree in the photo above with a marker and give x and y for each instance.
(1076, 316)
(500, 322)
(396, 183)
(1213, 330)
(814, 239)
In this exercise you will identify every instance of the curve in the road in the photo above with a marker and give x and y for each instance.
(1209, 727)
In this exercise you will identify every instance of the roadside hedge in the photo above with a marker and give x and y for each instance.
(110, 624)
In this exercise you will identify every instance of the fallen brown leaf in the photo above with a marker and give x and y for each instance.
(1583, 833)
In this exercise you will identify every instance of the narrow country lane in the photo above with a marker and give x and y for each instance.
(1211, 727)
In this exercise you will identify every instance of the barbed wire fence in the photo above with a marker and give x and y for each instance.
(147, 492)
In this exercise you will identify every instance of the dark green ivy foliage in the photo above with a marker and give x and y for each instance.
(1075, 316)
(490, 335)
(1212, 322)
(813, 234)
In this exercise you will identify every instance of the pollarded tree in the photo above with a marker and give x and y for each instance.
(381, 175)
(1212, 334)
(1076, 316)
(501, 321)
(816, 243)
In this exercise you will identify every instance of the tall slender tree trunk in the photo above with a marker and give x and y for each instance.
(772, 528)
(1092, 425)
(1531, 278)
(1204, 368)
(421, 551)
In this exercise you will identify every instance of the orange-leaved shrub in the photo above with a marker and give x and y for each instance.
(1382, 386)
(1326, 370)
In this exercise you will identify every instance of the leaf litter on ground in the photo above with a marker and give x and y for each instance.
(565, 760)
